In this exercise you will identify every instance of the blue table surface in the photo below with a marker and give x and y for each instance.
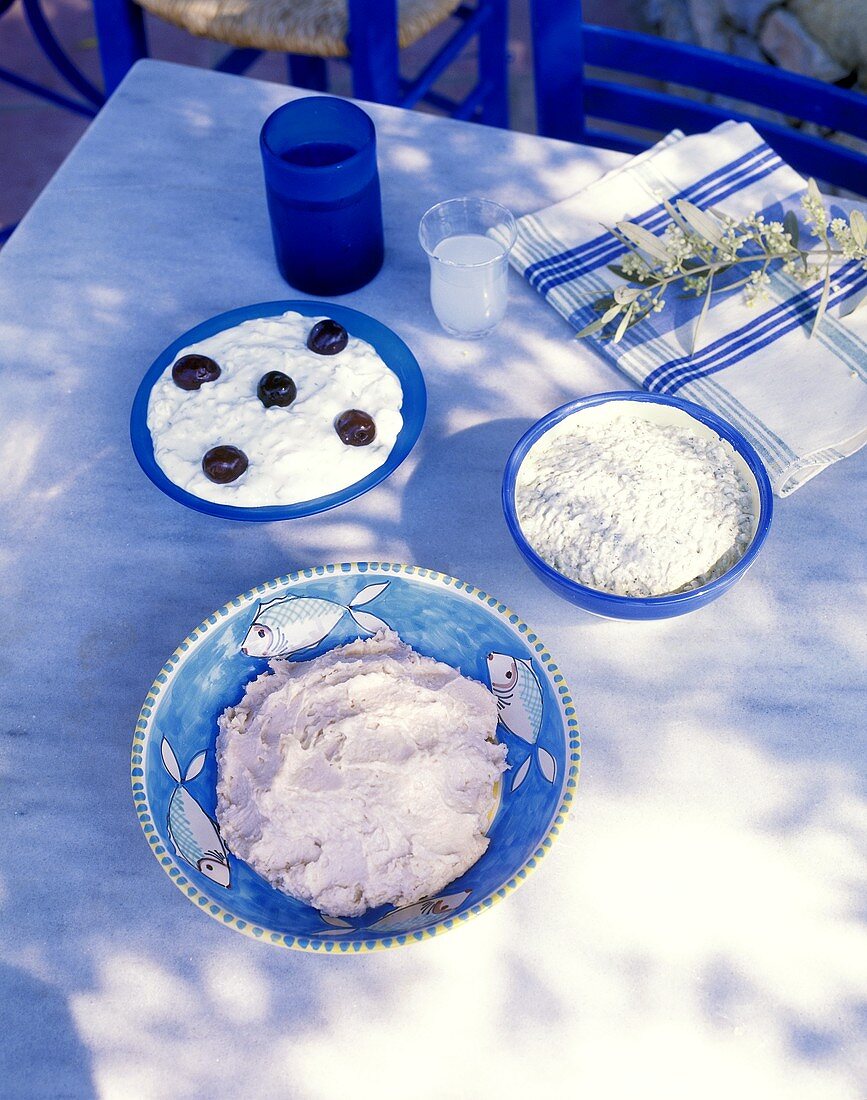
(696, 931)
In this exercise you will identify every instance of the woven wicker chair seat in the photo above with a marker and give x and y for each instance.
(314, 27)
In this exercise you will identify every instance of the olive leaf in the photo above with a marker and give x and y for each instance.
(624, 323)
(704, 224)
(675, 215)
(823, 301)
(599, 323)
(700, 321)
(792, 227)
(858, 225)
(644, 239)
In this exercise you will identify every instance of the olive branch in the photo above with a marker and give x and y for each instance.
(698, 246)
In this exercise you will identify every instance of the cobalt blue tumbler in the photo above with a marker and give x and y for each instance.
(321, 180)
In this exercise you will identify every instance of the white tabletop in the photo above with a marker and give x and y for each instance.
(695, 930)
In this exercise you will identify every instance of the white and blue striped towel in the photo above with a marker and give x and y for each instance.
(801, 402)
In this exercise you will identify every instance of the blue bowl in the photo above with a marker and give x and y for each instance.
(662, 410)
(389, 347)
(438, 616)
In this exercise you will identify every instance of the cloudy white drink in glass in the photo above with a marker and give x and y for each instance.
(467, 242)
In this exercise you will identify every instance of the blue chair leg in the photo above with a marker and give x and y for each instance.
(494, 65)
(373, 50)
(237, 61)
(121, 34)
(558, 51)
(307, 72)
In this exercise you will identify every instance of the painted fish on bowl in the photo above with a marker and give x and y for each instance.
(283, 626)
(195, 836)
(407, 918)
(520, 705)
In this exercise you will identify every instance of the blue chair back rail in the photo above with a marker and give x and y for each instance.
(374, 56)
(563, 47)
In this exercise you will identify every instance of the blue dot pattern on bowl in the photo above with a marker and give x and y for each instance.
(438, 616)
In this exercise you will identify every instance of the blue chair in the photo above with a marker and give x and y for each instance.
(369, 33)
(567, 98)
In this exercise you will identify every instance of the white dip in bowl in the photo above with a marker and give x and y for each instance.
(635, 499)
(294, 453)
(363, 777)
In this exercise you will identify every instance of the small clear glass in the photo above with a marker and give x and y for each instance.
(468, 242)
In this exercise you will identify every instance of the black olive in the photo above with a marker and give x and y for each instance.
(191, 371)
(224, 464)
(327, 337)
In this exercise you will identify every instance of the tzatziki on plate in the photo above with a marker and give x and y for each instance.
(278, 422)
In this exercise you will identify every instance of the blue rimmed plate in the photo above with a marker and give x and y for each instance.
(174, 766)
(389, 346)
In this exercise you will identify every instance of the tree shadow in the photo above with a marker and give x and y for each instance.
(41, 1053)
(451, 489)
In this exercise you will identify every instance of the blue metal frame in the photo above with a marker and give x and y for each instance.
(563, 45)
(58, 56)
(60, 61)
(92, 99)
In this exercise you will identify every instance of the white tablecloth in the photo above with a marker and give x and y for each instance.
(695, 931)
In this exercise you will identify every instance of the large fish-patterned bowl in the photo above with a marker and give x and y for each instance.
(298, 617)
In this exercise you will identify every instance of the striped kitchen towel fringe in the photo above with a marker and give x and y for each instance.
(801, 402)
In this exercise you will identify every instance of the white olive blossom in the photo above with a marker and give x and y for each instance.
(757, 286)
(699, 245)
(815, 214)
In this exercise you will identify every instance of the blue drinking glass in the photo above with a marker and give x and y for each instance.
(322, 184)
